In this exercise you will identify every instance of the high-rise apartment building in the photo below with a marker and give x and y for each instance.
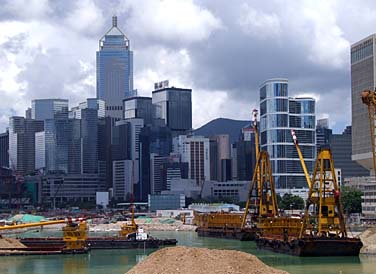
(194, 150)
(174, 105)
(363, 67)
(43, 109)
(219, 153)
(22, 143)
(279, 114)
(114, 70)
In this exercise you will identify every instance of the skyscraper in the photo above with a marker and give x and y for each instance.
(363, 66)
(174, 105)
(139, 107)
(22, 143)
(279, 114)
(43, 109)
(114, 70)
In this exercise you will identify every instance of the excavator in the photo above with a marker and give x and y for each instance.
(75, 235)
(369, 99)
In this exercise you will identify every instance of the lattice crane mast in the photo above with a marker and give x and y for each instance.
(323, 215)
(262, 192)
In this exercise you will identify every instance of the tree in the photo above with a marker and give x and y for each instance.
(351, 199)
(290, 201)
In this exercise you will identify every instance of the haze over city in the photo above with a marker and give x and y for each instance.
(223, 50)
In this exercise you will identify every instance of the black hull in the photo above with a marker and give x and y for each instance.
(312, 247)
(242, 235)
(102, 243)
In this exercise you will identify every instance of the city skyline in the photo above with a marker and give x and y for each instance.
(196, 56)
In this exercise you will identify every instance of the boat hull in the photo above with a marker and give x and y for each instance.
(312, 247)
(234, 234)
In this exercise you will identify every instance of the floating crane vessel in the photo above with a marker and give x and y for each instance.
(322, 230)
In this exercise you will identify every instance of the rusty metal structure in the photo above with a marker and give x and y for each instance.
(369, 99)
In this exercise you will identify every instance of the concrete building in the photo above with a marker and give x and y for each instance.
(279, 114)
(363, 65)
(61, 189)
(43, 109)
(125, 176)
(194, 150)
(22, 143)
(367, 185)
(114, 70)
(174, 105)
(4, 147)
(220, 156)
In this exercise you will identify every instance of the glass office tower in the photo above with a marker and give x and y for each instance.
(279, 114)
(114, 70)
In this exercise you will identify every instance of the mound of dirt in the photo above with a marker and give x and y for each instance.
(10, 243)
(368, 238)
(175, 260)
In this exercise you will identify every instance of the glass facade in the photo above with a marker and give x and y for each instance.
(139, 107)
(43, 109)
(175, 107)
(280, 114)
(114, 70)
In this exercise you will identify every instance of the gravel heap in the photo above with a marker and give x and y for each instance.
(10, 243)
(175, 260)
(368, 238)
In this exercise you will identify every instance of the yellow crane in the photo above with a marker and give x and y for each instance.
(74, 234)
(369, 98)
(323, 212)
(262, 183)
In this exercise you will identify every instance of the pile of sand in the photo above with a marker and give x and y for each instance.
(10, 243)
(368, 238)
(175, 260)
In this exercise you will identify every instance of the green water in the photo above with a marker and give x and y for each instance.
(119, 261)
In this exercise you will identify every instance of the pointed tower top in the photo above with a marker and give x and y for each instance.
(114, 21)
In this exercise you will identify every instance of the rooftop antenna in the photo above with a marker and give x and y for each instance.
(114, 21)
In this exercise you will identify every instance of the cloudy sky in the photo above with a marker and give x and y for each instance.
(221, 49)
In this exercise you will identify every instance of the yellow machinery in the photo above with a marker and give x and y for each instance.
(218, 220)
(262, 193)
(127, 229)
(74, 234)
(369, 98)
(323, 213)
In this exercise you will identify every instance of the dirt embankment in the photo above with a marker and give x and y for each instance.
(176, 260)
(368, 238)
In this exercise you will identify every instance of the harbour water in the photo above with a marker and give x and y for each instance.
(120, 261)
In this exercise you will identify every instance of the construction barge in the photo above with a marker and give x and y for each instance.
(321, 231)
(223, 225)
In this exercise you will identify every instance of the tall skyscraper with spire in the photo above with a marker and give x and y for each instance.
(114, 70)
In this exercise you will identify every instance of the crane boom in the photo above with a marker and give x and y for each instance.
(301, 158)
(369, 99)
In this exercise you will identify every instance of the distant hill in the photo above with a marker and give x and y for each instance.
(223, 126)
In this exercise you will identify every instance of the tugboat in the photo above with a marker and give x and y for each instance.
(322, 230)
